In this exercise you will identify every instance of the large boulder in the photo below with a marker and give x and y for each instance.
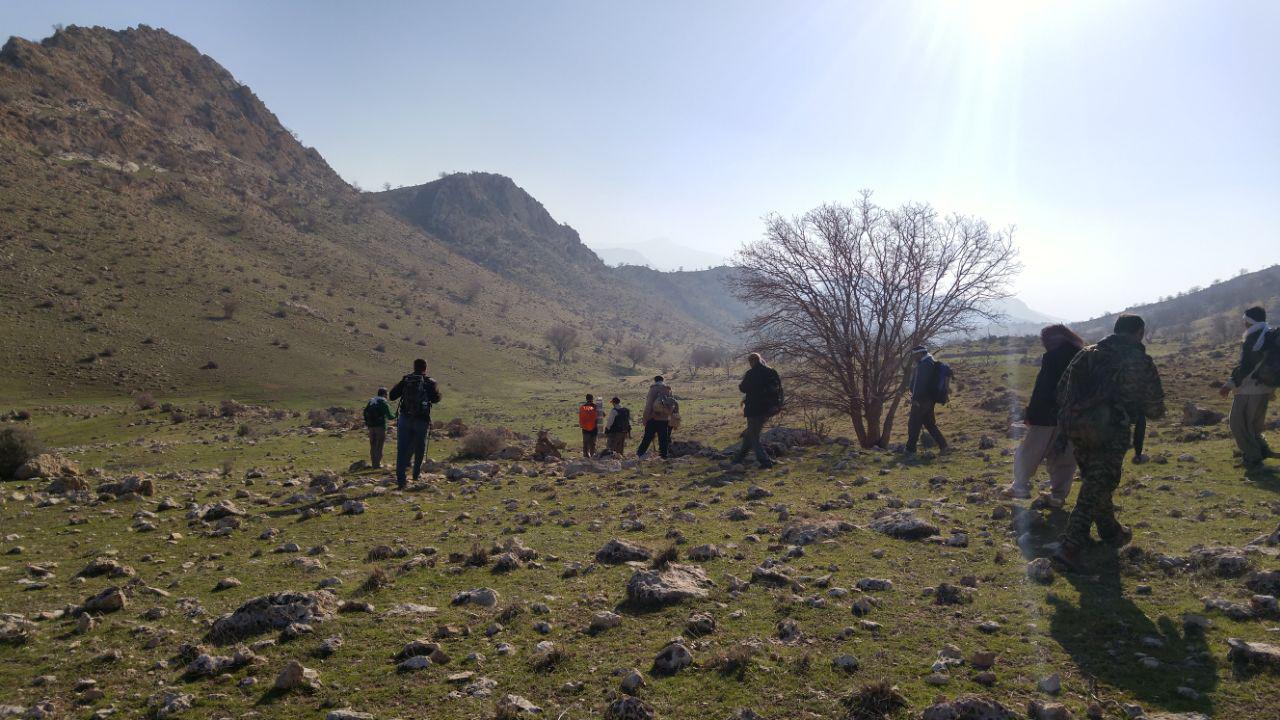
(968, 707)
(618, 551)
(1197, 416)
(275, 611)
(131, 485)
(668, 585)
(109, 600)
(1259, 654)
(807, 533)
(67, 485)
(46, 465)
(904, 525)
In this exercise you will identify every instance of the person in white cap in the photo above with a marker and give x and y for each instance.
(1249, 407)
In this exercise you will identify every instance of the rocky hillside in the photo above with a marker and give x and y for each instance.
(164, 233)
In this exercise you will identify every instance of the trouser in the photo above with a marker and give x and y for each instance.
(1248, 417)
(751, 441)
(411, 444)
(1099, 477)
(616, 442)
(922, 417)
(377, 438)
(1040, 445)
(588, 443)
(1139, 435)
(661, 429)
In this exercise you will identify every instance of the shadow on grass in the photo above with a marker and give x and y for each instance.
(1106, 630)
(1267, 478)
(1037, 529)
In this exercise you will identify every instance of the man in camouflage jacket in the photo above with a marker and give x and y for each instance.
(1105, 389)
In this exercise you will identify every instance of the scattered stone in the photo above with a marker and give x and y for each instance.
(110, 600)
(484, 597)
(1051, 684)
(672, 659)
(670, 584)
(170, 703)
(617, 551)
(1040, 570)
(47, 466)
(629, 708)
(294, 676)
(514, 707)
(1254, 653)
(1197, 416)
(275, 611)
(807, 533)
(968, 707)
(603, 620)
(904, 526)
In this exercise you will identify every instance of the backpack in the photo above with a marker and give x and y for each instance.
(416, 398)
(373, 413)
(1268, 371)
(942, 378)
(777, 397)
(665, 405)
(1086, 417)
(621, 422)
(587, 417)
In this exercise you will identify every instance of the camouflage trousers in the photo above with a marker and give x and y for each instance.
(1100, 469)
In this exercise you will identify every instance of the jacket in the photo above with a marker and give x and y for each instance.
(433, 394)
(1242, 374)
(924, 381)
(1042, 408)
(760, 386)
(382, 417)
(1119, 369)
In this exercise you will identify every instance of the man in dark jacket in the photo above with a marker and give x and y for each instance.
(924, 396)
(1249, 407)
(376, 414)
(762, 390)
(1104, 389)
(1041, 443)
(417, 393)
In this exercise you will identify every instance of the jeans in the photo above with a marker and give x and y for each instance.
(751, 441)
(922, 417)
(377, 438)
(589, 443)
(660, 429)
(411, 443)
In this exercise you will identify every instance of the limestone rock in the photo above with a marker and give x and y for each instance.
(671, 584)
(275, 611)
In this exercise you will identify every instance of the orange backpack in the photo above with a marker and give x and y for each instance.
(587, 417)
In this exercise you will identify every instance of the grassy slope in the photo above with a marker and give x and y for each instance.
(1088, 628)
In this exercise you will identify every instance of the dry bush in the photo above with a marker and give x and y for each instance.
(378, 579)
(478, 557)
(876, 701)
(563, 338)
(145, 401)
(735, 661)
(17, 445)
(666, 557)
(482, 443)
(637, 352)
(547, 661)
(229, 308)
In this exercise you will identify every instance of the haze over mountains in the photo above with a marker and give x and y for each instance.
(163, 230)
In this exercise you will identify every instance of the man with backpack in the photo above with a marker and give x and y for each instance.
(930, 387)
(617, 428)
(376, 414)
(1252, 392)
(660, 407)
(761, 387)
(589, 421)
(1104, 390)
(417, 394)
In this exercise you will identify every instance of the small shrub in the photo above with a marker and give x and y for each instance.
(17, 445)
(482, 443)
(547, 661)
(735, 661)
(227, 468)
(229, 308)
(378, 579)
(244, 430)
(478, 557)
(876, 701)
(145, 401)
(666, 557)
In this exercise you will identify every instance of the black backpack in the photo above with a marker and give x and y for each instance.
(415, 398)
(777, 398)
(373, 413)
(621, 422)
(942, 391)
(1268, 371)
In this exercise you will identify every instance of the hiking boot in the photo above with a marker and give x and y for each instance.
(1068, 558)
(1122, 537)
(1140, 459)
(1013, 492)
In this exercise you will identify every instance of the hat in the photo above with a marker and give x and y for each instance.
(919, 349)
(1256, 314)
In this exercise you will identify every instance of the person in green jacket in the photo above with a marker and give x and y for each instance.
(376, 414)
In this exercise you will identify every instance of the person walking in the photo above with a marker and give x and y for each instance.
(1040, 444)
(1249, 406)
(617, 427)
(761, 387)
(659, 407)
(589, 422)
(417, 393)
(1105, 388)
(376, 414)
(925, 383)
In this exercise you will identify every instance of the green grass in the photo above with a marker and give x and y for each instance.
(1087, 628)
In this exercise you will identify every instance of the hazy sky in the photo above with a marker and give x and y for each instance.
(1135, 145)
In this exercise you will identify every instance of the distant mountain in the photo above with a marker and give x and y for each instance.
(662, 254)
(623, 256)
(1194, 311)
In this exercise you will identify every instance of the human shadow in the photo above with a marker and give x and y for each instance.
(1037, 529)
(1105, 633)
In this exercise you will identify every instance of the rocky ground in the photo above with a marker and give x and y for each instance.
(843, 584)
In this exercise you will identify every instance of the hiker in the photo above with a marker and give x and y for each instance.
(659, 408)
(417, 393)
(376, 414)
(761, 387)
(1040, 444)
(1104, 389)
(589, 421)
(928, 382)
(1249, 407)
(617, 428)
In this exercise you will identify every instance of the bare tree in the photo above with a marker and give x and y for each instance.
(637, 352)
(704, 357)
(1220, 328)
(845, 291)
(563, 338)
(471, 291)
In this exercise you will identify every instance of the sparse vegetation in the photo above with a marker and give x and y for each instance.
(17, 445)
